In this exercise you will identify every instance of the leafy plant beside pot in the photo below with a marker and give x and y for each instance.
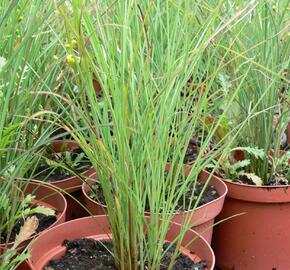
(202, 220)
(64, 165)
(266, 205)
(28, 212)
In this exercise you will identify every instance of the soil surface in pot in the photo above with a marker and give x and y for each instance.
(44, 223)
(194, 145)
(89, 254)
(280, 177)
(189, 199)
(193, 193)
(277, 179)
(75, 160)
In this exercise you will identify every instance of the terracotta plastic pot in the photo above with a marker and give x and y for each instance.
(72, 184)
(202, 219)
(45, 195)
(259, 239)
(24, 266)
(48, 246)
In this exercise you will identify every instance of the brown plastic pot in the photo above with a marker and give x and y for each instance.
(202, 218)
(48, 246)
(259, 239)
(45, 195)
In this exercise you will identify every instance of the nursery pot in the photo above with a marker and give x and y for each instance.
(48, 246)
(258, 239)
(71, 185)
(202, 218)
(45, 195)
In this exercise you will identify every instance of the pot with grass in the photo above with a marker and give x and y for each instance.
(142, 91)
(202, 217)
(258, 185)
(93, 194)
(64, 166)
(41, 207)
(90, 238)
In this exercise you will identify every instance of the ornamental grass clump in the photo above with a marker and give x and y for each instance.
(144, 54)
(260, 49)
(26, 68)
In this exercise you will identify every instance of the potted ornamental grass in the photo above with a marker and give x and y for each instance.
(32, 63)
(258, 176)
(26, 208)
(128, 135)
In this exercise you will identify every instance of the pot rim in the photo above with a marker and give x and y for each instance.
(258, 194)
(253, 186)
(101, 218)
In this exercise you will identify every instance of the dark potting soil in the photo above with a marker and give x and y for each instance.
(89, 254)
(192, 150)
(45, 172)
(44, 223)
(193, 193)
(276, 180)
(189, 199)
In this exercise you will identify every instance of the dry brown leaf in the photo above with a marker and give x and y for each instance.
(27, 230)
(256, 179)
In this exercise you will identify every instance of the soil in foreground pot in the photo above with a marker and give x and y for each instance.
(89, 254)
(44, 223)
